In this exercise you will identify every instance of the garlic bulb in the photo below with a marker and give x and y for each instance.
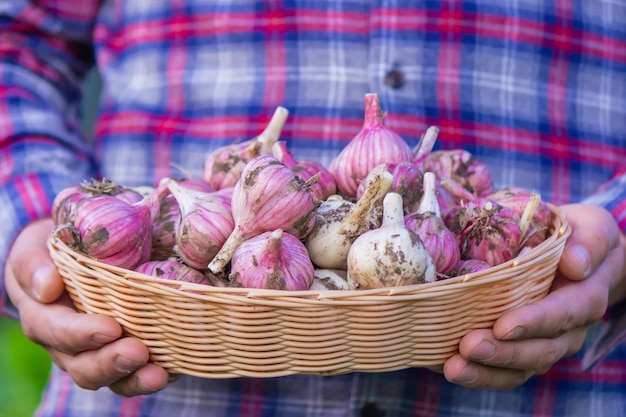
(268, 196)
(62, 203)
(407, 181)
(427, 222)
(375, 144)
(323, 188)
(391, 255)
(205, 223)
(223, 167)
(272, 260)
(172, 270)
(469, 266)
(488, 232)
(329, 280)
(110, 230)
(535, 228)
(339, 222)
(461, 166)
(165, 223)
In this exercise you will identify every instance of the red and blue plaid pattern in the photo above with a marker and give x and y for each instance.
(536, 90)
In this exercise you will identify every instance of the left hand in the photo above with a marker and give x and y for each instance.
(528, 340)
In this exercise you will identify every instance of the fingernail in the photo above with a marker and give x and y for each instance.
(40, 277)
(482, 352)
(123, 364)
(581, 255)
(469, 374)
(516, 333)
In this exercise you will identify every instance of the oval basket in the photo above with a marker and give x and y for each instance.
(214, 332)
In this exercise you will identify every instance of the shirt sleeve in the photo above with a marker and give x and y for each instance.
(612, 330)
(45, 53)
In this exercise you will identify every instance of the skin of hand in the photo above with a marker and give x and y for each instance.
(528, 340)
(90, 348)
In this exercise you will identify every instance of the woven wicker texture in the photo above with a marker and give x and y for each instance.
(216, 332)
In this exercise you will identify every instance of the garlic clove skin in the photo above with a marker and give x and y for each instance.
(329, 280)
(272, 260)
(391, 255)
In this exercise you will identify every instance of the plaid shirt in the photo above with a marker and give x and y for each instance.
(535, 89)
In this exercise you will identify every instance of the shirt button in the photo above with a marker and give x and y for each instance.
(371, 410)
(395, 78)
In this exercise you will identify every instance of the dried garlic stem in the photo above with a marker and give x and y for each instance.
(374, 192)
(529, 211)
(272, 131)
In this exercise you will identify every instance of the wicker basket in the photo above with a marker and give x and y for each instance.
(216, 332)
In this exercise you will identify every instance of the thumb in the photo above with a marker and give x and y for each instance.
(594, 235)
(30, 264)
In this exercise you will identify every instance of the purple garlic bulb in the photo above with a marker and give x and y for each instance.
(428, 224)
(62, 204)
(324, 187)
(462, 167)
(223, 167)
(172, 270)
(205, 223)
(407, 181)
(373, 145)
(488, 232)
(268, 196)
(272, 260)
(518, 199)
(111, 230)
(469, 266)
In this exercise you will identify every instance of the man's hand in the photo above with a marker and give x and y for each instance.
(89, 347)
(530, 339)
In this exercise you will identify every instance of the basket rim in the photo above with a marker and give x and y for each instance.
(490, 276)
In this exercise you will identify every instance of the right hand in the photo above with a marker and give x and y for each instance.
(89, 347)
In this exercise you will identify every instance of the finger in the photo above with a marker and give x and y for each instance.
(571, 304)
(535, 355)
(146, 380)
(594, 235)
(30, 263)
(475, 375)
(59, 327)
(94, 369)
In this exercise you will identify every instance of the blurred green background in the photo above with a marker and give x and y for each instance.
(24, 369)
